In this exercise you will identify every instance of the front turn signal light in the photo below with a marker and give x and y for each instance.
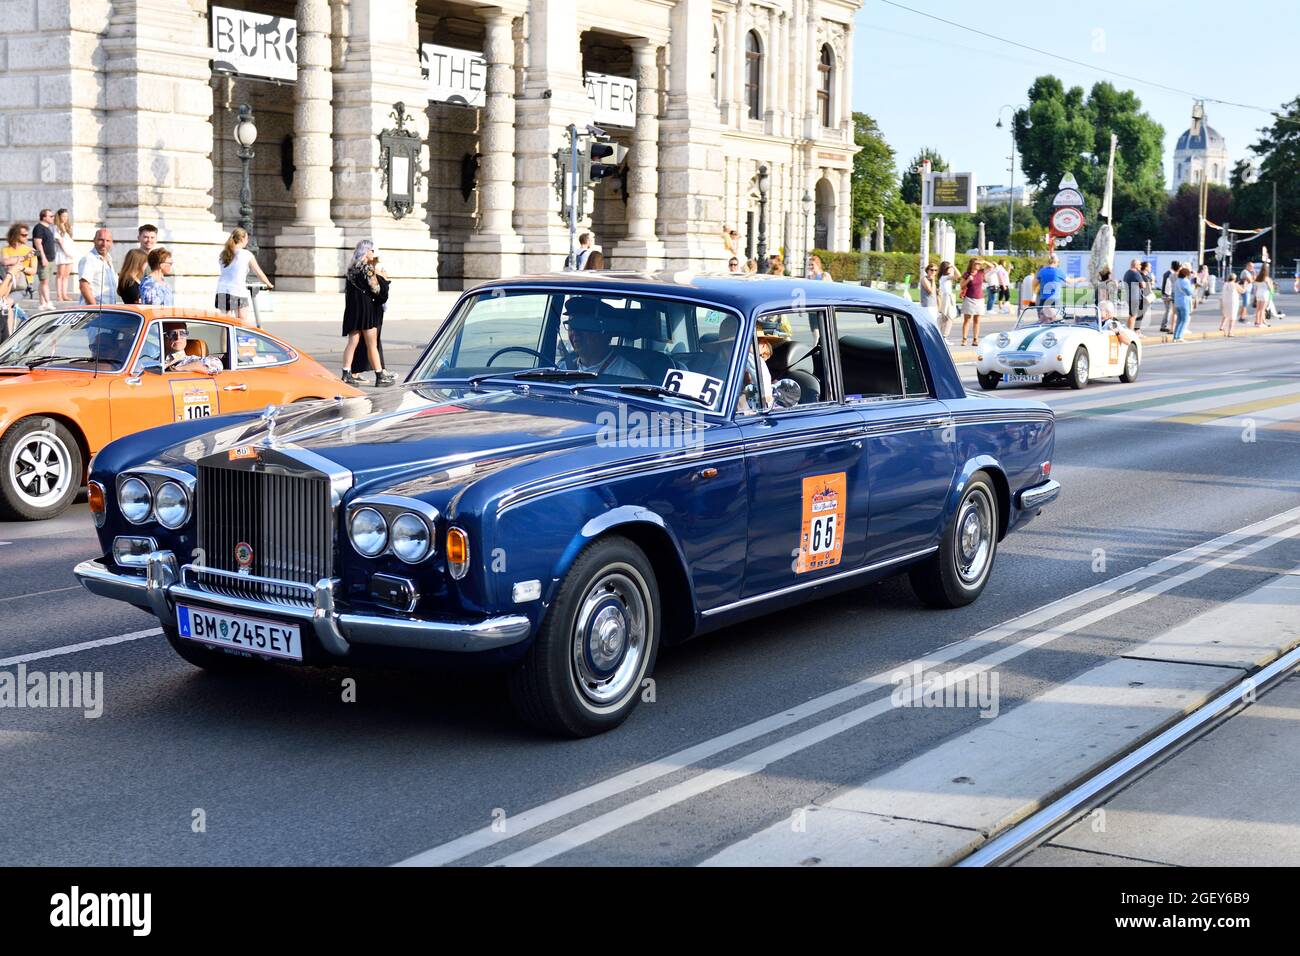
(98, 504)
(457, 552)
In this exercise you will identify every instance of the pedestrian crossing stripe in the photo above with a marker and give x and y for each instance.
(1230, 411)
(1181, 397)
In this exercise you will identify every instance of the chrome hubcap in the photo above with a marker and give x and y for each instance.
(1082, 373)
(1132, 362)
(39, 468)
(609, 636)
(974, 536)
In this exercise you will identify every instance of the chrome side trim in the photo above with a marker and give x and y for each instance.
(804, 585)
(1036, 497)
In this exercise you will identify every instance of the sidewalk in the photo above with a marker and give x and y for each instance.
(279, 307)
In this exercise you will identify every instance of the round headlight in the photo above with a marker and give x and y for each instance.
(134, 499)
(368, 531)
(1049, 340)
(172, 505)
(411, 538)
(1003, 340)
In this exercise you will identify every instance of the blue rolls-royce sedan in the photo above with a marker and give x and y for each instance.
(580, 468)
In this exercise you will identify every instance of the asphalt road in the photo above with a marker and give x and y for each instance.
(279, 769)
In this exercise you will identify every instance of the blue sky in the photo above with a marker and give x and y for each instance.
(931, 84)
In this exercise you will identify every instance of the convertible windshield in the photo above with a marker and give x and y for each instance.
(680, 348)
(97, 341)
(1085, 316)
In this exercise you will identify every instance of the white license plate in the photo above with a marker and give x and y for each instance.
(1021, 377)
(238, 633)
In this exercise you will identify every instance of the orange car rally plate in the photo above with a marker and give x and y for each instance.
(194, 398)
(821, 540)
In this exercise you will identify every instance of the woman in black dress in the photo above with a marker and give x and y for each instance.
(365, 292)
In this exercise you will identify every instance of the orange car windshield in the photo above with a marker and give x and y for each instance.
(92, 340)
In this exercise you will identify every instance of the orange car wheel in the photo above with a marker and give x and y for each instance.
(40, 469)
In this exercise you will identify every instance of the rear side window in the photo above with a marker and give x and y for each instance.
(253, 350)
(878, 355)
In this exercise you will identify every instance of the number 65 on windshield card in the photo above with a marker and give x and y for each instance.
(821, 539)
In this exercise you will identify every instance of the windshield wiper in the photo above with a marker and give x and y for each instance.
(647, 388)
(46, 359)
(550, 372)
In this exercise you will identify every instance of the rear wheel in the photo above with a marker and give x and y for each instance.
(955, 575)
(40, 469)
(1079, 371)
(1130, 372)
(209, 658)
(583, 674)
(989, 380)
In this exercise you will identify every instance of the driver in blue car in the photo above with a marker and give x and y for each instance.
(590, 340)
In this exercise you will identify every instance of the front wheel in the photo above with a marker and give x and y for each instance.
(40, 469)
(956, 574)
(1079, 371)
(989, 380)
(1130, 372)
(583, 674)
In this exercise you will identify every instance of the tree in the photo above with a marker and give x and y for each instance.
(910, 186)
(1028, 242)
(1179, 221)
(994, 218)
(874, 183)
(1252, 204)
(1063, 131)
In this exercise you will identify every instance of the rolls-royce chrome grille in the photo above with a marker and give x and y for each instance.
(264, 525)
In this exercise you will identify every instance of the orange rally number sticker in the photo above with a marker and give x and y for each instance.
(193, 399)
(821, 540)
(1114, 348)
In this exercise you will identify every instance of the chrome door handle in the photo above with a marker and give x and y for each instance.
(234, 388)
(938, 422)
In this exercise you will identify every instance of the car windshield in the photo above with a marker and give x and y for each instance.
(658, 347)
(1085, 316)
(94, 340)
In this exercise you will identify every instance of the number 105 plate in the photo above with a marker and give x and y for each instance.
(238, 633)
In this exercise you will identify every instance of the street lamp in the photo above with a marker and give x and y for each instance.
(764, 183)
(1011, 189)
(806, 203)
(245, 137)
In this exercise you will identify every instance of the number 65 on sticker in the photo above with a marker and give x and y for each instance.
(821, 536)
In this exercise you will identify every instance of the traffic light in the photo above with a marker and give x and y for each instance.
(601, 159)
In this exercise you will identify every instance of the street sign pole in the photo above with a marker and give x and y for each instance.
(924, 170)
(573, 188)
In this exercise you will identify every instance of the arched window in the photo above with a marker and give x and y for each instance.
(825, 83)
(753, 76)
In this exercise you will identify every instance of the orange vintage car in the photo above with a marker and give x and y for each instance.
(73, 380)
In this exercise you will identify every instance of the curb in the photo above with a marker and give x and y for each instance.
(966, 356)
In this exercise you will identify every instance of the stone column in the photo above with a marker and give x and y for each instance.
(770, 71)
(158, 133)
(641, 249)
(843, 205)
(785, 68)
(309, 252)
(741, 36)
(495, 249)
(379, 66)
(726, 66)
(690, 152)
(553, 98)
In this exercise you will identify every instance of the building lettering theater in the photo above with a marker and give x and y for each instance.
(124, 111)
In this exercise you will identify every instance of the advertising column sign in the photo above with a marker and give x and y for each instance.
(455, 76)
(950, 192)
(254, 44)
(613, 99)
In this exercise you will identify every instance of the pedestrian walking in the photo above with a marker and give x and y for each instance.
(1167, 282)
(1105, 288)
(1050, 282)
(1247, 280)
(233, 297)
(1229, 303)
(1263, 295)
(929, 291)
(947, 297)
(18, 250)
(733, 266)
(990, 286)
(816, 271)
(65, 255)
(128, 281)
(595, 261)
(972, 299)
(1133, 295)
(365, 295)
(1203, 281)
(1004, 287)
(147, 237)
(584, 250)
(46, 249)
(96, 278)
(154, 289)
(1182, 298)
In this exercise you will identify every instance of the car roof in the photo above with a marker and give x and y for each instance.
(746, 293)
(151, 312)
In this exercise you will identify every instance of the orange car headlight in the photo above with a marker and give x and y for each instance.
(98, 503)
(457, 553)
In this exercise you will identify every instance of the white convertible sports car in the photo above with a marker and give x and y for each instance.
(1059, 344)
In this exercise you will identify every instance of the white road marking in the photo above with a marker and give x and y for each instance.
(76, 648)
(750, 764)
(18, 597)
(562, 806)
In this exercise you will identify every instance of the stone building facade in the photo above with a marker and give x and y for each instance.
(1200, 154)
(113, 109)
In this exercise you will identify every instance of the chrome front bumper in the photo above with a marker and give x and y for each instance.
(1032, 499)
(162, 587)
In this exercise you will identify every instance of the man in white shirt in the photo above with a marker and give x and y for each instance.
(98, 281)
(584, 251)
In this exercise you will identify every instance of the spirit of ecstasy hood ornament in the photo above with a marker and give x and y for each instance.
(268, 419)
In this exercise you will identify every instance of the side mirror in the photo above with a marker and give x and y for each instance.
(785, 393)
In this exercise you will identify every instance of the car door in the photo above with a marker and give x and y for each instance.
(909, 434)
(804, 464)
(261, 373)
(147, 396)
